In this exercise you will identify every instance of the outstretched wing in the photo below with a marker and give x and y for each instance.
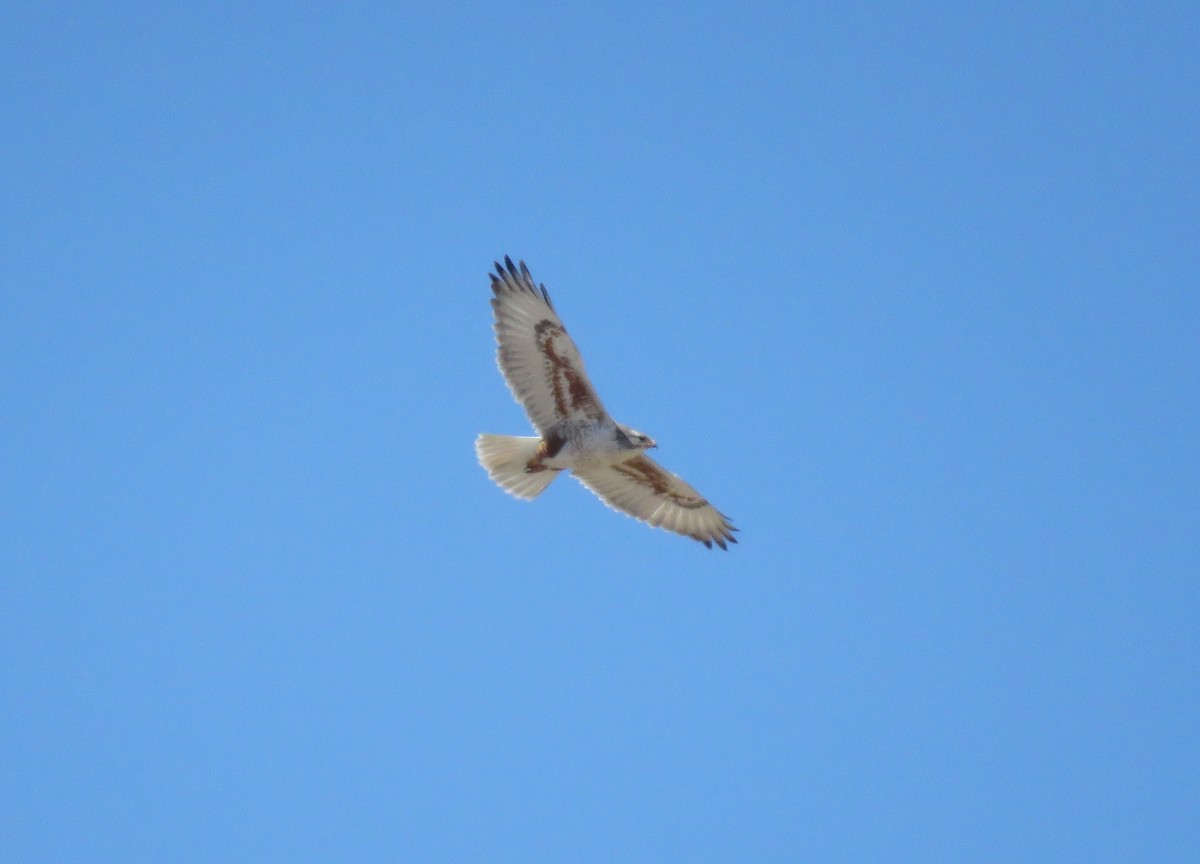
(647, 491)
(540, 362)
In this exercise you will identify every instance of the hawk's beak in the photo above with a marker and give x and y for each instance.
(652, 444)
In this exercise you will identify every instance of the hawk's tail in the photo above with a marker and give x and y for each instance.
(506, 456)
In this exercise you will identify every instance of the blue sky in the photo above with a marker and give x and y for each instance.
(910, 291)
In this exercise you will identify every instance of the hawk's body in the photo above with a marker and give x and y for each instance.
(545, 372)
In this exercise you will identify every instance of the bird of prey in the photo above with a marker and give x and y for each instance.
(546, 375)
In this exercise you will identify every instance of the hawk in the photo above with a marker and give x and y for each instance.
(546, 375)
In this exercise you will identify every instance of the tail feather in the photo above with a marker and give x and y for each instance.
(505, 457)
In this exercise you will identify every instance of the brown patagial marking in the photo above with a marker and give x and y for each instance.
(571, 391)
(641, 471)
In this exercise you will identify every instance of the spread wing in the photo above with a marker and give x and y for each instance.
(647, 491)
(540, 362)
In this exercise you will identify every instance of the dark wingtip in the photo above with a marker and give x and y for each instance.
(512, 268)
(707, 544)
(520, 275)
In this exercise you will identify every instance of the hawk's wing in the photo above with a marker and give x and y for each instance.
(647, 491)
(540, 362)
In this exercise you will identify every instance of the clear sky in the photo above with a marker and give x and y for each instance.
(911, 291)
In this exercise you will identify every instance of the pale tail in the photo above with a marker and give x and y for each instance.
(505, 458)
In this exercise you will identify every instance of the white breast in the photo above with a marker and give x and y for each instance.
(588, 445)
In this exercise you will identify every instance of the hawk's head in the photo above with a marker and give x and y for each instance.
(633, 439)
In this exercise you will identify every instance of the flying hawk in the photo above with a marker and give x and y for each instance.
(545, 373)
